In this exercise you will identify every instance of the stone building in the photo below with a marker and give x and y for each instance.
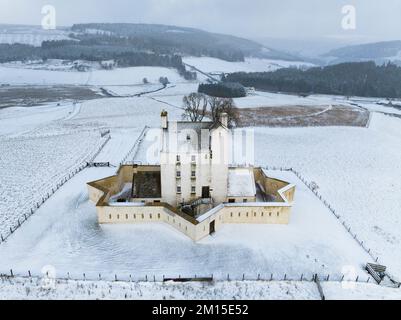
(193, 188)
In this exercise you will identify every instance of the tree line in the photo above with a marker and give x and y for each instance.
(223, 89)
(364, 79)
(74, 50)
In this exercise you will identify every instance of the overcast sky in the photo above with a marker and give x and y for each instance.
(295, 19)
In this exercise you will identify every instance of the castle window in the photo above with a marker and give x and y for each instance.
(270, 214)
(239, 214)
(134, 216)
(150, 216)
(193, 189)
(231, 200)
(193, 158)
(126, 216)
(247, 214)
(178, 189)
(158, 215)
(278, 213)
(245, 200)
(193, 174)
(254, 214)
(231, 214)
(179, 174)
(143, 216)
(110, 216)
(263, 214)
(118, 216)
(178, 158)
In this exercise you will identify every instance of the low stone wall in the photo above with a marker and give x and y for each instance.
(196, 231)
(246, 212)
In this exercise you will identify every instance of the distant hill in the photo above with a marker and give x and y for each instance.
(380, 52)
(364, 79)
(181, 40)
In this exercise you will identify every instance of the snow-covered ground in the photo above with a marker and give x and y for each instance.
(126, 91)
(31, 167)
(214, 65)
(119, 76)
(32, 35)
(25, 288)
(19, 288)
(19, 120)
(358, 171)
(64, 233)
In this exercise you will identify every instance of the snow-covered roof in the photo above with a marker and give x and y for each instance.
(241, 182)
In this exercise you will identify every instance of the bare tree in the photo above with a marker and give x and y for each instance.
(195, 107)
(220, 105)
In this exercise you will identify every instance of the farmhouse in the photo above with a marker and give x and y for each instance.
(194, 188)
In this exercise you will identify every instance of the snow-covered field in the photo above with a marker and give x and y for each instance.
(214, 65)
(19, 288)
(119, 76)
(25, 288)
(32, 35)
(31, 167)
(66, 235)
(358, 171)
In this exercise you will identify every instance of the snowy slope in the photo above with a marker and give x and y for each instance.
(214, 65)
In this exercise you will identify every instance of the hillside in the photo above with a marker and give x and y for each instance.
(181, 40)
(379, 52)
(350, 79)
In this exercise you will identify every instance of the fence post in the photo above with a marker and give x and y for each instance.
(115, 277)
(243, 276)
(258, 276)
(271, 276)
(11, 272)
(228, 277)
(29, 273)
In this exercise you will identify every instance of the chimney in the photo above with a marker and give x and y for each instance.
(224, 119)
(164, 119)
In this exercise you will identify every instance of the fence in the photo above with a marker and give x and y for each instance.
(333, 211)
(53, 190)
(311, 277)
(134, 150)
(330, 207)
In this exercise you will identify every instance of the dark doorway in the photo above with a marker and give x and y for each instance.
(205, 192)
(212, 228)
